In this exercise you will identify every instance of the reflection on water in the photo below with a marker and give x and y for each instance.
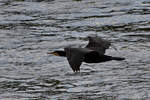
(31, 28)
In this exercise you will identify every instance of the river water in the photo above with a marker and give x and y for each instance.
(31, 28)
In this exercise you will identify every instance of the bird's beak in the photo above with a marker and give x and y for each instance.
(53, 53)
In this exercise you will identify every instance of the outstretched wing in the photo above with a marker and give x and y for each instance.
(74, 57)
(98, 44)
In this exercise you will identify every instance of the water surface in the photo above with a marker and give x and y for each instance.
(31, 28)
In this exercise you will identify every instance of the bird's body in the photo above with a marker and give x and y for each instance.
(94, 52)
(100, 58)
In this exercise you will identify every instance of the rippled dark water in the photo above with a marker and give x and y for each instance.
(31, 28)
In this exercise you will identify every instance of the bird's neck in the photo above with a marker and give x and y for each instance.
(62, 53)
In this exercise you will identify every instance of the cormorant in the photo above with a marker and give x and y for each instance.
(94, 52)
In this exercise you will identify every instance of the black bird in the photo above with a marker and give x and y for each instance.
(94, 52)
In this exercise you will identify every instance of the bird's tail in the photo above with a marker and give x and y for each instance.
(118, 58)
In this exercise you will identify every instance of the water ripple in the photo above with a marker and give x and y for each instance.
(31, 28)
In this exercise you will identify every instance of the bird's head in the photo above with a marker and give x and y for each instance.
(58, 53)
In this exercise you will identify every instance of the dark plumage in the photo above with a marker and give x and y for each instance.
(94, 52)
(98, 44)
